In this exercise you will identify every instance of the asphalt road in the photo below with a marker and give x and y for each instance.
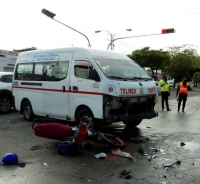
(46, 166)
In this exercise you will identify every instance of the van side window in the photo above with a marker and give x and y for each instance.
(42, 71)
(55, 71)
(81, 69)
(24, 71)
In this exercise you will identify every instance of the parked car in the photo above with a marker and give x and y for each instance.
(6, 101)
(171, 82)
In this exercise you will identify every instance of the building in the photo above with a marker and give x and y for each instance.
(7, 60)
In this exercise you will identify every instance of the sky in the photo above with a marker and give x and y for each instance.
(24, 26)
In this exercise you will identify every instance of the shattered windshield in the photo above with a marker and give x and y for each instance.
(122, 69)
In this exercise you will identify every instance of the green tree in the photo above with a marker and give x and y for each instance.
(26, 49)
(184, 62)
(154, 59)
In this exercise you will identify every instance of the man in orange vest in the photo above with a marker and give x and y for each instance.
(182, 93)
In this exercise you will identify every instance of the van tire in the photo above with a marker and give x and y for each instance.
(27, 111)
(5, 104)
(132, 123)
(94, 124)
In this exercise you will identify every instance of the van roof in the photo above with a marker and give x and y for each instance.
(94, 53)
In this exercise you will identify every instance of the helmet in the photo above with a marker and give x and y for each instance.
(9, 158)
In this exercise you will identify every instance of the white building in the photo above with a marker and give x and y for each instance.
(7, 60)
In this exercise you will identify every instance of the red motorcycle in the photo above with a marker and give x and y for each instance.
(52, 129)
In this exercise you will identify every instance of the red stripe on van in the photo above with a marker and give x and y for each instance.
(59, 90)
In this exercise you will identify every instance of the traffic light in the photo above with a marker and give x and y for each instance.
(48, 13)
(165, 31)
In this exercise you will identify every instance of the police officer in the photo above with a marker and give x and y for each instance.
(165, 92)
(182, 93)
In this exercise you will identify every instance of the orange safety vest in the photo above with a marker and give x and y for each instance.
(183, 89)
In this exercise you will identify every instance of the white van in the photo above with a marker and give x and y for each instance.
(73, 83)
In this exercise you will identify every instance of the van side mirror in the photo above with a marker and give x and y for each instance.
(92, 74)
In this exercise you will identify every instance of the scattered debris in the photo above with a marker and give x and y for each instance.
(162, 151)
(149, 159)
(134, 158)
(169, 165)
(39, 146)
(182, 144)
(153, 149)
(45, 164)
(142, 152)
(120, 153)
(137, 139)
(100, 155)
(154, 156)
(178, 162)
(125, 174)
(148, 127)
(164, 176)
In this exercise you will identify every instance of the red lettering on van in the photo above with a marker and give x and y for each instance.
(127, 91)
(151, 90)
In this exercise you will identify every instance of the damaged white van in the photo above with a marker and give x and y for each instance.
(74, 83)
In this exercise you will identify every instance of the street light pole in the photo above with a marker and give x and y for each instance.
(111, 36)
(164, 31)
(52, 15)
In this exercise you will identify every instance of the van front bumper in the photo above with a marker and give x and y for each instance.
(139, 116)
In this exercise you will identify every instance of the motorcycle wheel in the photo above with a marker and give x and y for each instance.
(110, 140)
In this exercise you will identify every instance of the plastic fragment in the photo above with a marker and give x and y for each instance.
(169, 165)
(124, 174)
(155, 156)
(149, 159)
(45, 164)
(100, 155)
(120, 153)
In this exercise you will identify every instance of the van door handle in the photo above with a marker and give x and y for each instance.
(75, 88)
(63, 89)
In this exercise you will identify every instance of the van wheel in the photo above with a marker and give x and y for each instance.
(27, 111)
(5, 104)
(87, 114)
(132, 123)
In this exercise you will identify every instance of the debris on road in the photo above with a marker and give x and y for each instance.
(148, 127)
(120, 153)
(137, 139)
(162, 151)
(153, 149)
(38, 146)
(124, 174)
(142, 152)
(170, 165)
(45, 164)
(100, 155)
(134, 158)
(182, 144)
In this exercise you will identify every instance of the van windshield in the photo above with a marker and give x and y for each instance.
(122, 69)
